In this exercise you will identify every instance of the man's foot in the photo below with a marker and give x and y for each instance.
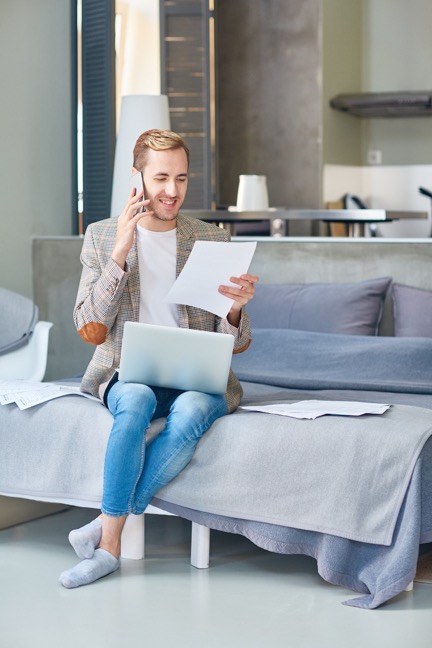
(86, 539)
(90, 570)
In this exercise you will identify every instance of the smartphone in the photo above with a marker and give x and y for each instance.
(137, 183)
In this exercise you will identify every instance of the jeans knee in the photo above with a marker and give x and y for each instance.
(132, 399)
(193, 413)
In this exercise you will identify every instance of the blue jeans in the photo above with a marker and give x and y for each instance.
(134, 472)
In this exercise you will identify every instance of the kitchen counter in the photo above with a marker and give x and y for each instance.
(278, 216)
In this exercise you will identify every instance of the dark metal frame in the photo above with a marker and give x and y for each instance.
(99, 124)
(74, 119)
(201, 8)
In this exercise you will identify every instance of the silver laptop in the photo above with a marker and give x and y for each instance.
(165, 356)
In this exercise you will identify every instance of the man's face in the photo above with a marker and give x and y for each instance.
(165, 180)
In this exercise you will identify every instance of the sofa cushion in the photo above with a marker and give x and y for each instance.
(347, 308)
(412, 311)
(18, 317)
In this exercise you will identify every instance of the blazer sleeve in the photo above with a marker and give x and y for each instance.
(242, 334)
(99, 293)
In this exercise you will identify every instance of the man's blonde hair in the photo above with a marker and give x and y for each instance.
(157, 140)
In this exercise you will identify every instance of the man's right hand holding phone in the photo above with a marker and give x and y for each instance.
(137, 183)
(126, 224)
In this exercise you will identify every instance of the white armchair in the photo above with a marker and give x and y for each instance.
(28, 362)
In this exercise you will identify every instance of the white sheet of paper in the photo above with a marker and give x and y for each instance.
(24, 400)
(8, 386)
(311, 409)
(27, 394)
(10, 390)
(210, 265)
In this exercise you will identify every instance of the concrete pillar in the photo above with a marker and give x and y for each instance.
(269, 115)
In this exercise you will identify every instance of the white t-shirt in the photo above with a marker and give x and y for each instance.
(157, 268)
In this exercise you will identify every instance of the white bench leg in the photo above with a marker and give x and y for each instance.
(200, 546)
(409, 587)
(132, 540)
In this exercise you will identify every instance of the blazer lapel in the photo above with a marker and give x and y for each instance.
(185, 242)
(134, 280)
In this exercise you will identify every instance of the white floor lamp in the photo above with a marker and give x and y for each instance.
(138, 113)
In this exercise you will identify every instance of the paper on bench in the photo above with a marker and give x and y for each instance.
(210, 265)
(312, 409)
(9, 389)
(27, 394)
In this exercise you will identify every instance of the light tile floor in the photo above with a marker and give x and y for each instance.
(248, 598)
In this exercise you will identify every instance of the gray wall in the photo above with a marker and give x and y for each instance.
(398, 56)
(342, 72)
(269, 98)
(376, 46)
(57, 271)
(35, 118)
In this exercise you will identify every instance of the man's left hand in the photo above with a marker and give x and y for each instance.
(241, 295)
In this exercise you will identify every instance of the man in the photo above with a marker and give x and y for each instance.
(129, 264)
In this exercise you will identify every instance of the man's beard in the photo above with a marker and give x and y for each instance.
(158, 213)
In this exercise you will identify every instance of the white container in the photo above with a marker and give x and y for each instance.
(252, 194)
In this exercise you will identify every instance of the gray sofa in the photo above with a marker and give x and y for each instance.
(72, 452)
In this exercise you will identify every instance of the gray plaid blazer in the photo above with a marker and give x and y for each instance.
(108, 297)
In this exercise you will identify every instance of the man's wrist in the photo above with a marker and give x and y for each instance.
(234, 318)
(119, 259)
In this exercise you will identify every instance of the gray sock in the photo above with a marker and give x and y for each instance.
(86, 539)
(90, 570)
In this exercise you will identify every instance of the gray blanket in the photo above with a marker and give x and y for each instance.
(305, 360)
(335, 475)
(378, 572)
